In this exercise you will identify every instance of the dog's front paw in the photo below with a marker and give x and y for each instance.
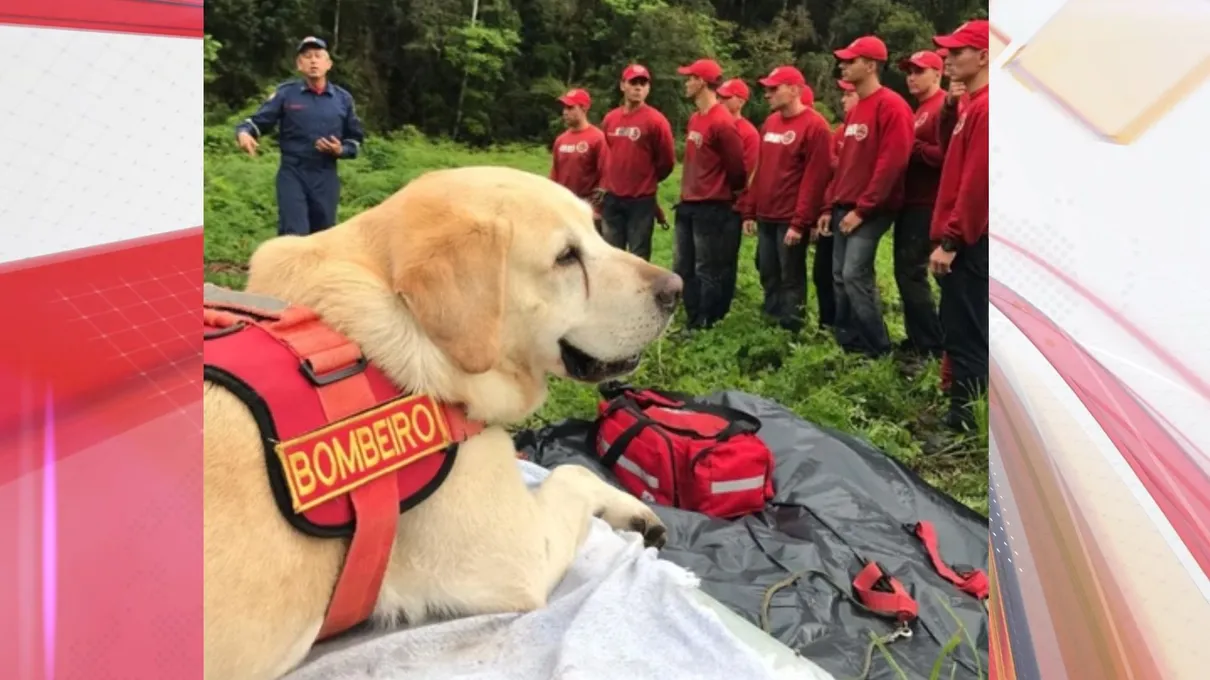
(627, 513)
(655, 534)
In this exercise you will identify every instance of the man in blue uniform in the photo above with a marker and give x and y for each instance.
(318, 126)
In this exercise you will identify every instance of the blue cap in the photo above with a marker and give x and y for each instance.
(312, 41)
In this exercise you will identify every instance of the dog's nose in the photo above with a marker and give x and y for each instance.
(668, 291)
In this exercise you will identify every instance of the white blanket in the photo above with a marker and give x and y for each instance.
(619, 613)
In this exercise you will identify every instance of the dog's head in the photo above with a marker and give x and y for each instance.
(504, 273)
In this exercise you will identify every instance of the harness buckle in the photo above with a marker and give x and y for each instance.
(319, 380)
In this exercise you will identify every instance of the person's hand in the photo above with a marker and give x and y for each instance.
(940, 261)
(749, 227)
(957, 89)
(247, 142)
(329, 145)
(660, 219)
(850, 222)
(793, 237)
(824, 228)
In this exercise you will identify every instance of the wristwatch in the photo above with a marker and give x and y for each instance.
(949, 245)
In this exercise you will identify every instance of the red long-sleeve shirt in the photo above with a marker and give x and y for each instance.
(579, 160)
(714, 157)
(878, 139)
(794, 170)
(641, 152)
(837, 143)
(750, 136)
(962, 201)
(924, 168)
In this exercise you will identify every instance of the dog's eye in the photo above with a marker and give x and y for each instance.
(569, 256)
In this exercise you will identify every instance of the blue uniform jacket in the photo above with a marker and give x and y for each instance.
(304, 117)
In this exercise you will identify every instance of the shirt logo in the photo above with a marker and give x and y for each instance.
(296, 107)
(857, 131)
(961, 122)
(631, 133)
(578, 147)
(787, 138)
(924, 115)
(696, 138)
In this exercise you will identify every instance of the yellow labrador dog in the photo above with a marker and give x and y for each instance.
(471, 285)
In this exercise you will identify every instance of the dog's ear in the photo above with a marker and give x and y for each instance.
(453, 283)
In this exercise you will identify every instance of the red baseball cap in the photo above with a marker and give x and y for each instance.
(783, 75)
(706, 69)
(579, 98)
(845, 85)
(734, 88)
(808, 97)
(972, 34)
(635, 71)
(942, 52)
(922, 59)
(867, 46)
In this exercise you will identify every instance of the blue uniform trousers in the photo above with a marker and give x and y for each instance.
(307, 197)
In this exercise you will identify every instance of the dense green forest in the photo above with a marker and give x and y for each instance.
(486, 71)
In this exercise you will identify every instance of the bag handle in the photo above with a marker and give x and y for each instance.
(738, 422)
(619, 445)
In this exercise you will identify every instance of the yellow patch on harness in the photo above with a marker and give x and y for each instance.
(340, 457)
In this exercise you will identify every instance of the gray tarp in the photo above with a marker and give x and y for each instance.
(836, 498)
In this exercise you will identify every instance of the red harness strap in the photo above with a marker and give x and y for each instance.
(973, 582)
(335, 365)
(884, 594)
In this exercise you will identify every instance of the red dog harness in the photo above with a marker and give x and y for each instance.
(346, 451)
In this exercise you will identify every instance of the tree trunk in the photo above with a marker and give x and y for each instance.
(466, 72)
(336, 28)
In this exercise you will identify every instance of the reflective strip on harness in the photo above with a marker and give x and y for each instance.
(734, 485)
(634, 469)
(973, 582)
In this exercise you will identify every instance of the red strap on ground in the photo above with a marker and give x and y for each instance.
(895, 602)
(974, 582)
(375, 504)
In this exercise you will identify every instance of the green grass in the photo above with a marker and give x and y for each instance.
(876, 401)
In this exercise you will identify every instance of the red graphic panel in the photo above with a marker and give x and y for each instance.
(100, 451)
(181, 18)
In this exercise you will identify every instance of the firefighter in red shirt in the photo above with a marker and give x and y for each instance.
(641, 155)
(821, 271)
(733, 94)
(955, 90)
(911, 235)
(960, 221)
(580, 152)
(865, 195)
(785, 196)
(707, 226)
(848, 99)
